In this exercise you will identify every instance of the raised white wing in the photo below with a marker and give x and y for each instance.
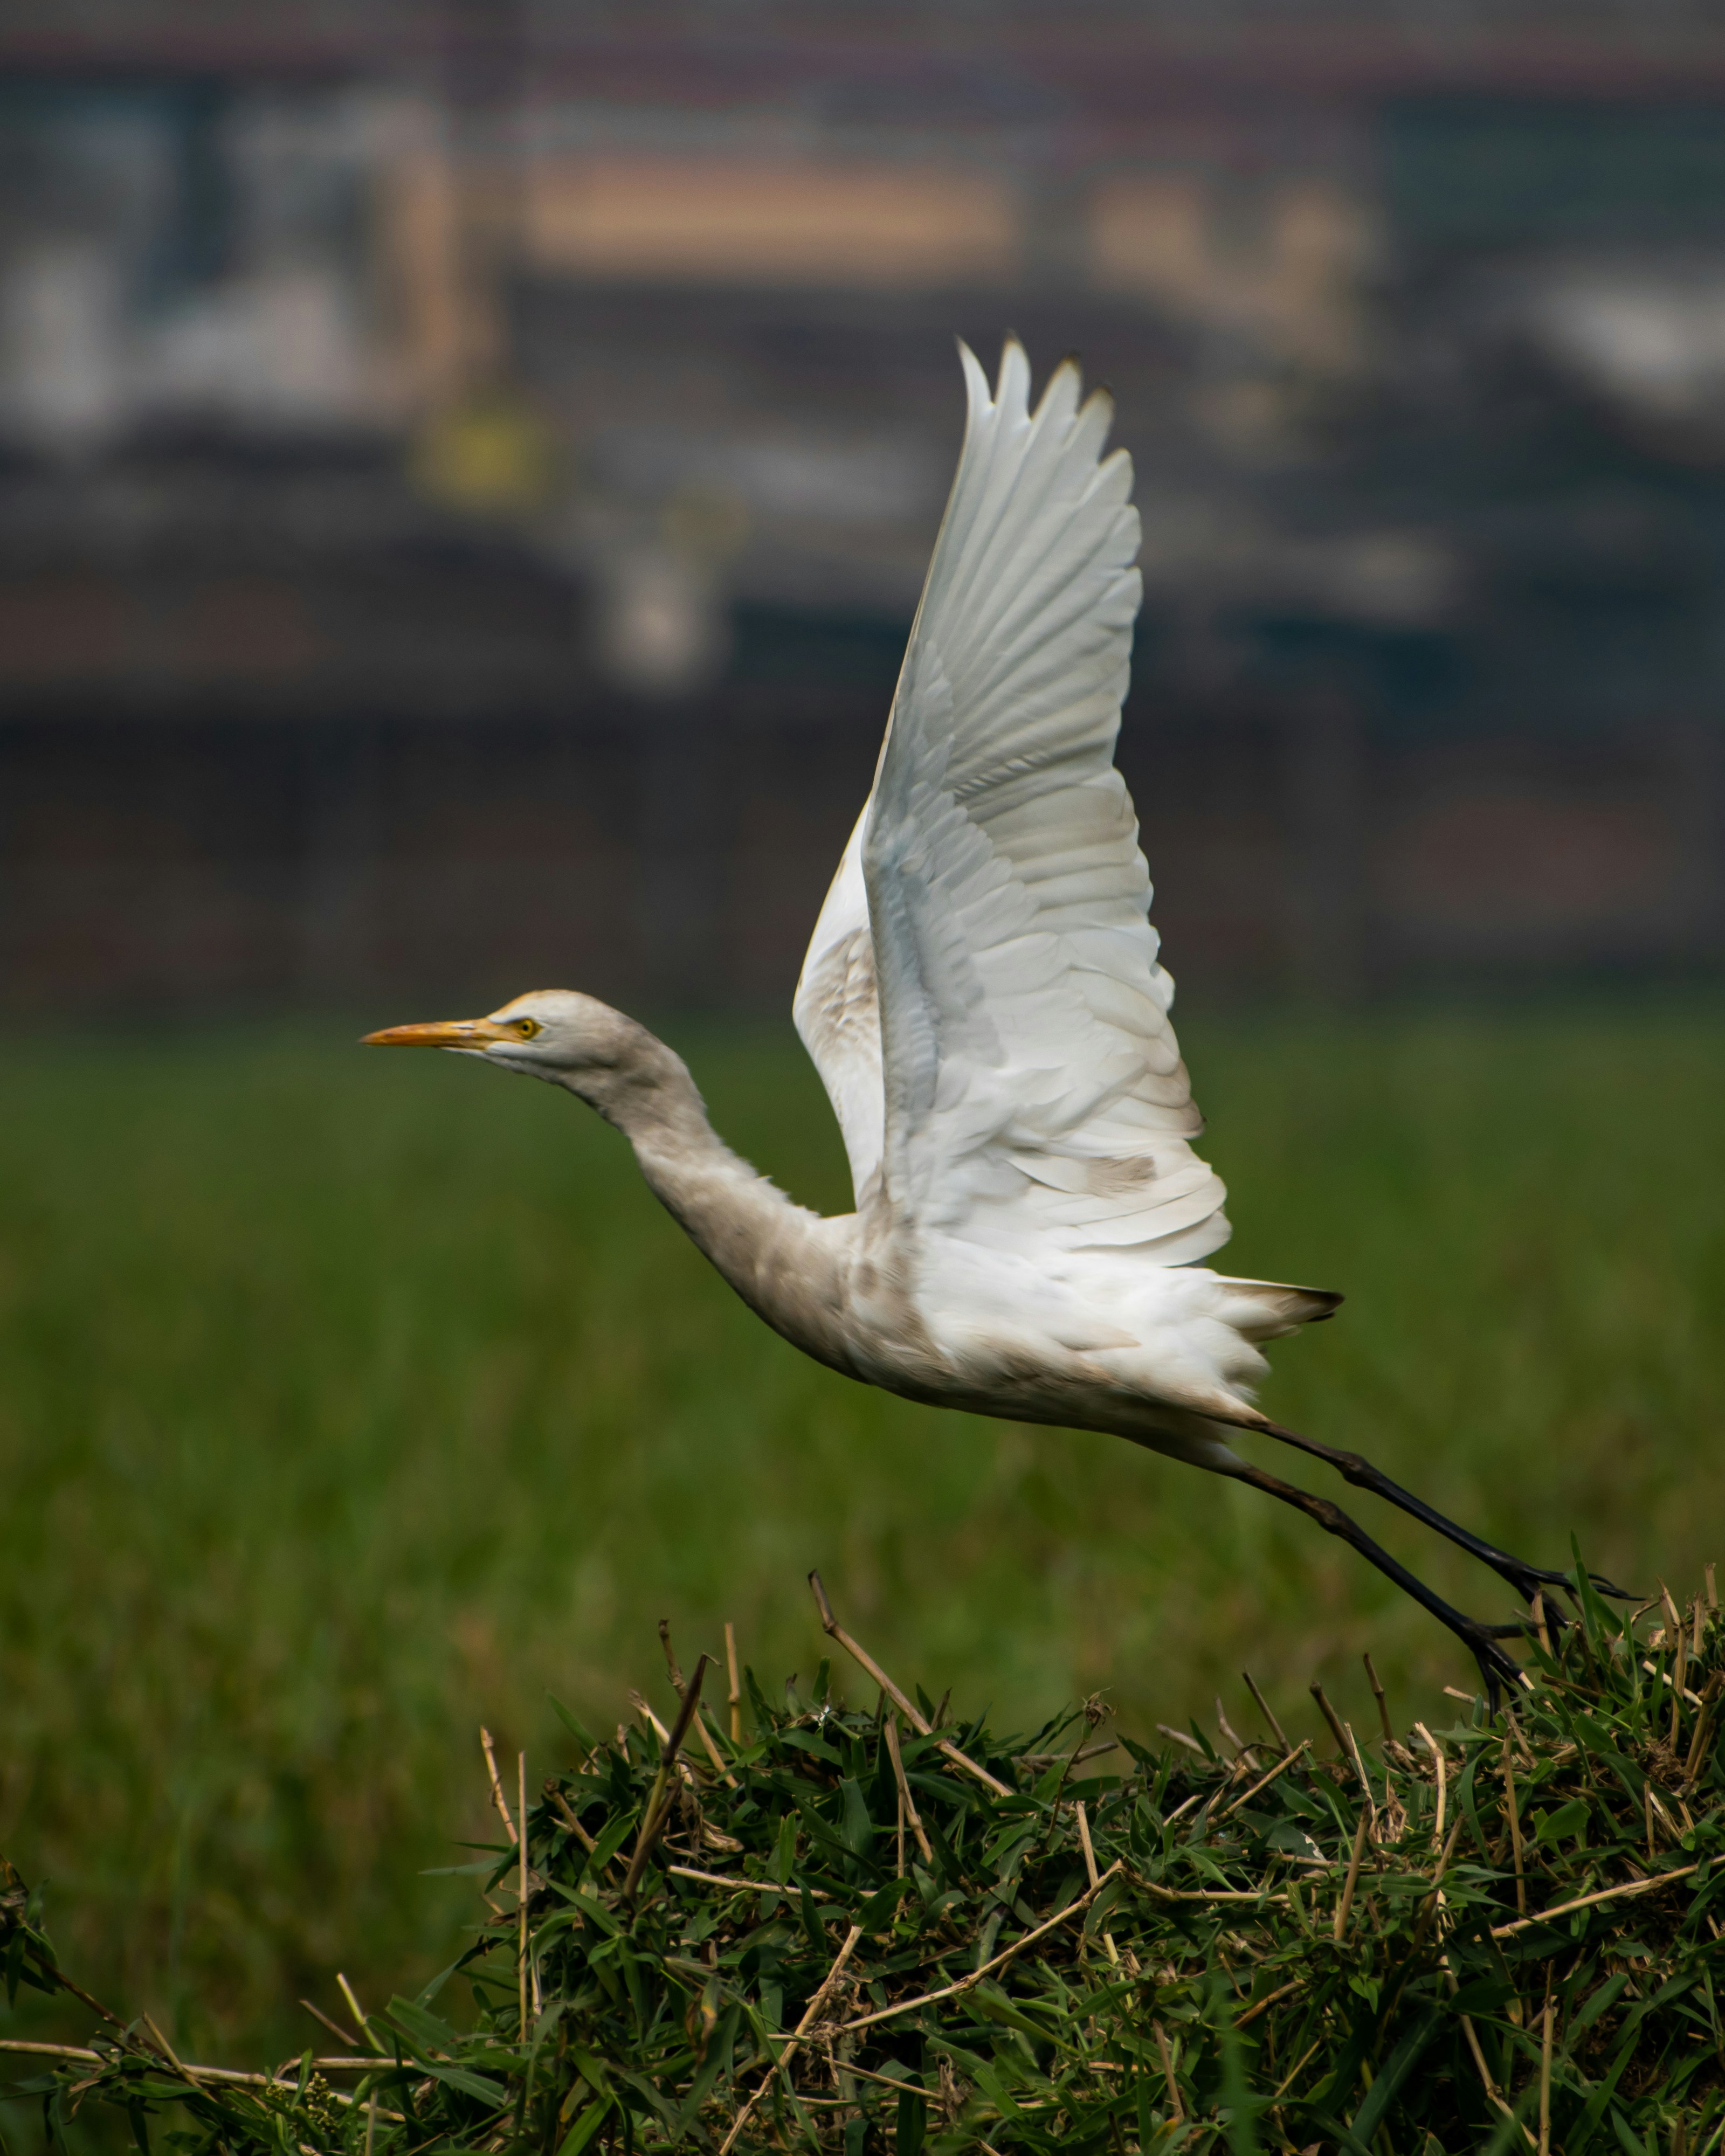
(1033, 1092)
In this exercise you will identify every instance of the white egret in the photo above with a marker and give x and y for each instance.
(984, 1001)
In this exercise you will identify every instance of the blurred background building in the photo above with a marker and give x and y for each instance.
(466, 468)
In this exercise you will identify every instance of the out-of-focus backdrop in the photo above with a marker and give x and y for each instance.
(467, 471)
(465, 474)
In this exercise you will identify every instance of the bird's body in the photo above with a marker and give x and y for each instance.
(983, 999)
(1158, 1354)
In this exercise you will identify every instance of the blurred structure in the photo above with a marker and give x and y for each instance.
(466, 471)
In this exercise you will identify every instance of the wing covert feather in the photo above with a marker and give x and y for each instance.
(838, 1015)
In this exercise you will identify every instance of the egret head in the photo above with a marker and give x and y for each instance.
(573, 1041)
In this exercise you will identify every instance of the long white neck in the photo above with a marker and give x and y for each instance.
(787, 1263)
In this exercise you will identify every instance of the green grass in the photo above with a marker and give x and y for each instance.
(1044, 1946)
(346, 1400)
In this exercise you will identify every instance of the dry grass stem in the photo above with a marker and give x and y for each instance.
(1085, 1842)
(1039, 1763)
(233, 2077)
(1267, 1711)
(560, 1805)
(1242, 1750)
(497, 1796)
(1264, 1781)
(716, 1758)
(727, 1879)
(1592, 1901)
(907, 1802)
(643, 1707)
(1174, 2104)
(1256, 1896)
(523, 1890)
(1377, 1693)
(1009, 1954)
(1330, 1716)
(811, 2016)
(831, 1626)
(1262, 2006)
(671, 1671)
(1665, 1677)
(1446, 1856)
(709, 1744)
(1471, 2037)
(883, 2081)
(1092, 1875)
(735, 1693)
(1433, 1747)
(1344, 1907)
(1704, 1723)
(1365, 1779)
(657, 1810)
(1513, 1809)
(341, 2036)
(162, 2043)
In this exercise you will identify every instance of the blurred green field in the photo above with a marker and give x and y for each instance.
(346, 1400)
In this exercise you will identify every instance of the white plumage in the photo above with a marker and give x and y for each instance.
(985, 1004)
(982, 996)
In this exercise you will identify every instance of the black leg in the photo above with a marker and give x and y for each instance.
(1495, 1666)
(1524, 1577)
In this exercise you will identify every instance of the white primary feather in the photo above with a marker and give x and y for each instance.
(982, 996)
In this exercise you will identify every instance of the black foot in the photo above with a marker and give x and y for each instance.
(1526, 1579)
(1496, 1667)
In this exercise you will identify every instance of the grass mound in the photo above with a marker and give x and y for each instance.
(807, 1926)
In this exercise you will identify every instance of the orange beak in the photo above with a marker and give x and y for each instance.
(469, 1033)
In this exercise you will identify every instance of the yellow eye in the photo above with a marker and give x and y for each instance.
(528, 1027)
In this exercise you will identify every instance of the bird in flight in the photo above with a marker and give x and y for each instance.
(985, 1002)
